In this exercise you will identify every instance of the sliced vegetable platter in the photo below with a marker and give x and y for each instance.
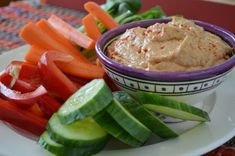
(205, 136)
(61, 94)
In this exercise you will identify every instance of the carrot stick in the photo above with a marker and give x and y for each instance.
(94, 9)
(47, 28)
(71, 33)
(44, 41)
(91, 27)
(33, 55)
(77, 67)
(81, 70)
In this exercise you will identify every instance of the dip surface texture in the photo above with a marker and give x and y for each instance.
(179, 45)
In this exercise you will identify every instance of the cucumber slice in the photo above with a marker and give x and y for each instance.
(79, 133)
(171, 107)
(50, 145)
(87, 101)
(113, 128)
(148, 119)
(128, 121)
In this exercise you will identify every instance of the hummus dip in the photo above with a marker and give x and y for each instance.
(179, 45)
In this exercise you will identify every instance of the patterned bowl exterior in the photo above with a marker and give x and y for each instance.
(165, 83)
(165, 88)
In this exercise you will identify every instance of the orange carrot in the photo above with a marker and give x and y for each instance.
(91, 27)
(44, 41)
(94, 9)
(33, 55)
(77, 67)
(71, 33)
(98, 63)
(48, 29)
(81, 70)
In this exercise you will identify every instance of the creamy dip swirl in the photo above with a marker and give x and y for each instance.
(179, 45)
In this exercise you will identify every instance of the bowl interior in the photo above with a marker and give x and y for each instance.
(109, 36)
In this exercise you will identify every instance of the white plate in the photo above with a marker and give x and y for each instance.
(196, 141)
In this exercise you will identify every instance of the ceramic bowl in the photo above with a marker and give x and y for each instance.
(190, 87)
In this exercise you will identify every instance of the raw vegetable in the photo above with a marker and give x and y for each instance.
(81, 70)
(91, 27)
(47, 42)
(20, 118)
(48, 105)
(71, 33)
(155, 12)
(101, 15)
(87, 101)
(23, 86)
(51, 31)
(80, 133)
(47, 143)
(5, 78)
(128, 122)
(113, 128)
(171, 107)
(123, 13)
(133, 5)
(33, 54)
(57, 82)
(144, 116)
(36, 111)
(22, 99)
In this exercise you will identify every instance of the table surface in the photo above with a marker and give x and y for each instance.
(16, 15)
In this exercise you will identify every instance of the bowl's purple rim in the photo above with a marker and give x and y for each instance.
(165, 76)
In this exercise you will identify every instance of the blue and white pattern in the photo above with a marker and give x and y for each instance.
(166, 88)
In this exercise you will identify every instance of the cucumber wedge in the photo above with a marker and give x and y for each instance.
(50, 145)
(77, 134)
(171, 107)
(87, 101)
(144, 116)
(128, 122)
(113, 128)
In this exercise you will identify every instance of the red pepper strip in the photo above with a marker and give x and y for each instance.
(78, 85)
(79, 80)
(21, 118)
(19, 85)
(14, 68)
(5, 78)
(36, 110)
(23, 71)
(48, 105)
(23, 86)
(52, 77)
(22, 99)
(28, 71)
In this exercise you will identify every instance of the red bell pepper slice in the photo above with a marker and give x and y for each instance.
(6, 78)
(52, 77)
(28, 71)
(22, 119)
(23, 71)
(36, 110)
(48, 105)
(14, 68)
(22, 99)
(23, 86)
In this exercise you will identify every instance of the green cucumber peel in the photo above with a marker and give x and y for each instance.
(127, 121)
(170, 107)
(86, 102)
(151, 121)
